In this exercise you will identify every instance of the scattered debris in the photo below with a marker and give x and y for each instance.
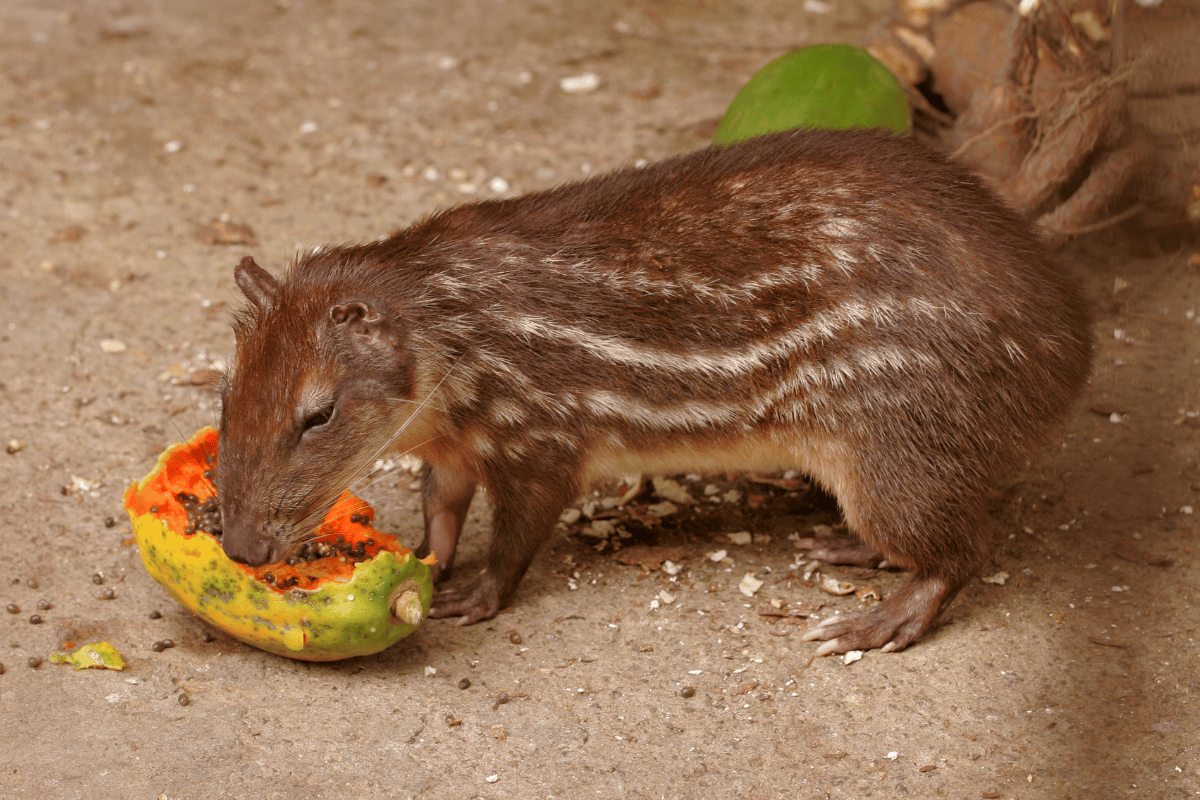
(832, 585)
(580, 84)
(1131, 552)
(664, 509)
(673, 491)
(223, 231)
(648, 557)
(749, 584)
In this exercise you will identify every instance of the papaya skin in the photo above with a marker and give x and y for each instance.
(335, 612)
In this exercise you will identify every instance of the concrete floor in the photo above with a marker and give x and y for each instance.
(128, 128)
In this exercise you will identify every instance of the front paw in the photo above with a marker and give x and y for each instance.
(473, 604)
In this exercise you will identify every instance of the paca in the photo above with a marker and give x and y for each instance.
(844, 303)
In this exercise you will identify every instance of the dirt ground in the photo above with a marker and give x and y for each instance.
(137, 135)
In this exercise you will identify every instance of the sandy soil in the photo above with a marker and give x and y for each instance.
(128, 128)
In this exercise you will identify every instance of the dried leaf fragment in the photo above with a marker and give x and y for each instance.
(649, 557)
(223, 231)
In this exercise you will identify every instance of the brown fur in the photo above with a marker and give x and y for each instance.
(842, 302)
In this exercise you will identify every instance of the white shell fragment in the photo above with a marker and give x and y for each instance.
(998, 579)
(113, 346)
(852, 656)
(635, 483)
(664, 509)
(666, 597)
(741, 537)
(671, 490)
(833, 586)
(671, 568)
(79, 484)
(717, 556)
(600, 529)
(580, 84)
(749, 584)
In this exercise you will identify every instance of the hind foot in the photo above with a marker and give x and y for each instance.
(892, 625)
(844, 552)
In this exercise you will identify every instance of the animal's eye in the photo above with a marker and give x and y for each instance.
(320, 417)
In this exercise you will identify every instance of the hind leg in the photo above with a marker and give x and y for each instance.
(942, 542)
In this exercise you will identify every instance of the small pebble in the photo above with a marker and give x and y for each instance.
(687, 691)
(184, 699)
(155, 615)
(97, 579)
(515, 637)
(109, 522)
(1, 669)
(109, 594)
(207, 637)
(32, 583)
(36, 619)
(44, 605)
(13, 608)
(34, 662)
(465, 683)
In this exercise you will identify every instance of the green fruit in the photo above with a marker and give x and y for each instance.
(822, 86)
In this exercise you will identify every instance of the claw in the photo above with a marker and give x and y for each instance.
(473, 604)
(890, 626)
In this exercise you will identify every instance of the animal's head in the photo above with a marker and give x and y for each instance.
(318, 389)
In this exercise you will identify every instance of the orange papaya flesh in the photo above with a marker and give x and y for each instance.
(347, 604)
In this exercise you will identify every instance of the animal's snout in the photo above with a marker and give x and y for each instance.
(253, 550)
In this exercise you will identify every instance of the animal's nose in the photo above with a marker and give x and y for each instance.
(252, 550)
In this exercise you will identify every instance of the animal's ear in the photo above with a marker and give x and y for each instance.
(360, 319)
(257, 284)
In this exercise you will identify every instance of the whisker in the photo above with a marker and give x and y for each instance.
(385, 472)
(421, 406)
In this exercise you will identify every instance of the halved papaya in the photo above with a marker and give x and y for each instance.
(363, 597)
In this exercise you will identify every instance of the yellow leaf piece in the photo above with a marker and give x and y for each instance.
(100, 655)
